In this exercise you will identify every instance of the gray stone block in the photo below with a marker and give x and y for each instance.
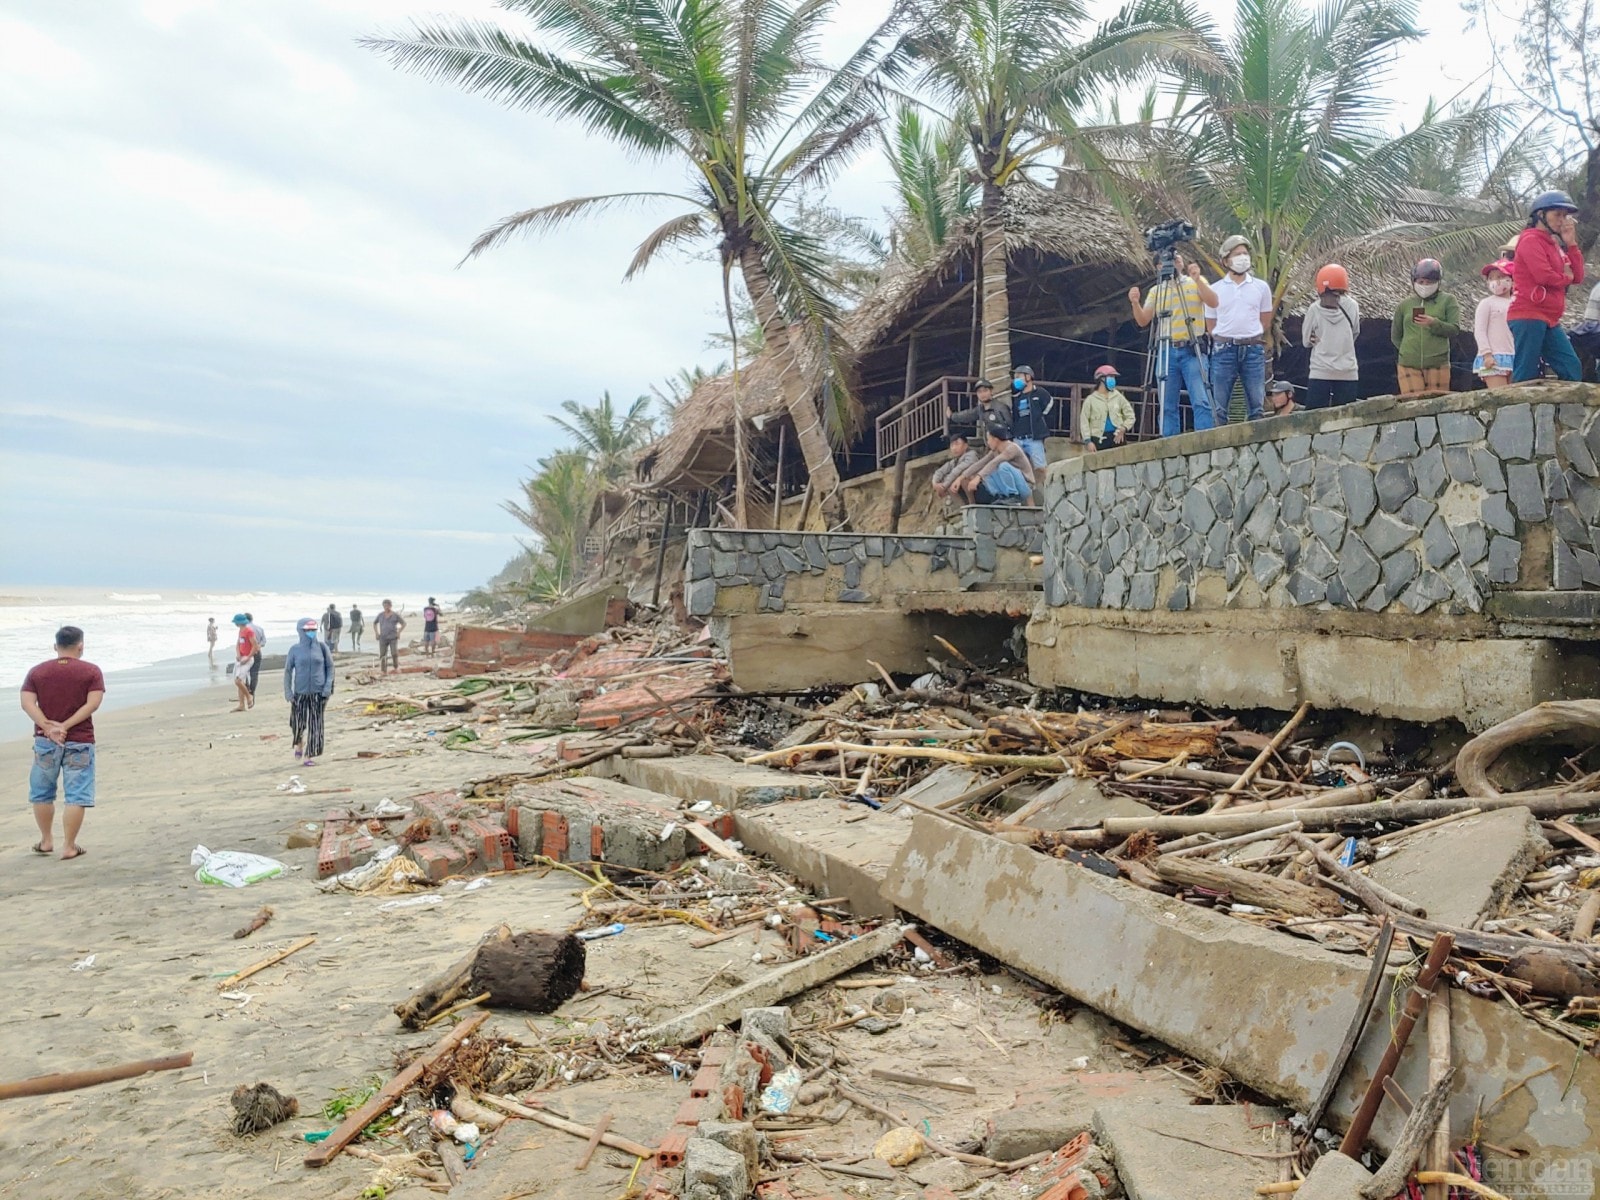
(1292, 449)
(1505, 558)
(1572, 416)
(1301, 473)
(711, 1171)
(1263, 521)
(1459, 428)
(1526, 491)
(1385, 534)
(1430, 472)
(1576, 451)
(854, 596)
(1266, 567)
(1115, 594)
(1055, 591)
(1337, 594)
(1232, 570)
(1179, 600)
(1438, 547)
(1328, 524)
(1490, 474)
(1396, 483)
(700, 597)
(1150, 551)
(1358, 442)
(1591, 435)
(1396, 441)
(1427, 431)
(1198, 512)
(1289, 545)
(1570, 525)
(1588, 566)
(791, 562)
(1497, 514)
(1511, 432)
(1150, 475)
(1255, 490)
(1306, 589)
(1126, 478)
(1326, 444)
(1544, 429)
(749, 564)
(1142, 592)
(1358, 569)
(1318, 559)
(1293, 508)
(1564, 566)
(852, 574)
(1270, 464)
(1216, 546)
(1417, 512)
(1198, 465)
(1458, 462)
(1399, 569)
(1472, 540)
(1360, 493)
(1555, 483)
(1585, 495)
(1463, 588)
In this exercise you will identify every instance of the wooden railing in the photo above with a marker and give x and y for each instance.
(926, 412)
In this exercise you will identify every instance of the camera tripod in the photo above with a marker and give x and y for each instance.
(1158, 357)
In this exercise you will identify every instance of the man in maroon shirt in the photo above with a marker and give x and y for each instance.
(61, 696)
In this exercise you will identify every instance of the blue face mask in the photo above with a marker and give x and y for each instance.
(1111, 382)
(1016, 385)
(309, 634)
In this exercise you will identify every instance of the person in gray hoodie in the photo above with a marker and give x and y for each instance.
(1329, 329)
(307, 684)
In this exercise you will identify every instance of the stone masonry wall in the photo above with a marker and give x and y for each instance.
(1009, 526)
(755, 570)
(1383, 506)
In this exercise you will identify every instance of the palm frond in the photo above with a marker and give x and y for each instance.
(548, 216)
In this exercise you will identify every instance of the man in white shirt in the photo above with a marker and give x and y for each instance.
(1238, 324)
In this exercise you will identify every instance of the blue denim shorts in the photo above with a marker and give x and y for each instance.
(71, 764)
(1034, 449)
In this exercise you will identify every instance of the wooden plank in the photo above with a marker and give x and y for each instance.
(266, 962)
(712, 842)
(922, 1081)
(350, 1128)
(71, 1081)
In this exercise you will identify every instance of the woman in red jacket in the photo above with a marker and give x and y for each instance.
(1548, 262)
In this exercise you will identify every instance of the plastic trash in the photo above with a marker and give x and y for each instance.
(413, 902)
(233, 868)
(294, 787)
(466, 1134)
(83, 964)
(589, 935)
(1347, 856)
(778, 1096)
(388, 808)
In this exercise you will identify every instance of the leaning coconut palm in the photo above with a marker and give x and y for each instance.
(1018, 75)
(605, 437)
(1288, 141)
(555, 507)
(734, 91)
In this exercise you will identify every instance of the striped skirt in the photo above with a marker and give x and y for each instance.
(305, 722)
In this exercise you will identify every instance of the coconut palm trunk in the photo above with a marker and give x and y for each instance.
(996, 355)
(797, 391)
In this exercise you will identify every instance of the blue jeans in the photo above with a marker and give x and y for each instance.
(1535, 340)
(1186, 368)
(51, 762)
(1034, 449)
(1005, 482)
(1248, 364)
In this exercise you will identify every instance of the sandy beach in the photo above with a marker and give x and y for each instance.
(183, 772)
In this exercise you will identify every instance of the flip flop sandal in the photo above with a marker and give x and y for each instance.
(38, 848)
(69, 857)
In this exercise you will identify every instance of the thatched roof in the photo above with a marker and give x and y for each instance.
(697, 450)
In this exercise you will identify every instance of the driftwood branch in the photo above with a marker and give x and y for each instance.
(1390, 1178)
(1554, 716)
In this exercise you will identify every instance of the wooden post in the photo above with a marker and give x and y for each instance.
(661, 550)
(897, 504)
(1438, 1157)
(777, 481)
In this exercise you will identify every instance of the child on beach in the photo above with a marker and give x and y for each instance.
(1496, 348)
(245, 651)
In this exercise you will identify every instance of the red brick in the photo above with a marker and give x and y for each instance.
(705, 1080)
(690, 1112)
(490, 842)
(514, 822)
(554, 841)
(670, 1152)
(438, 860)
(597, 842)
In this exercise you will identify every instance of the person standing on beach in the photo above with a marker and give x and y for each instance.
(61, 696)
(332, 622)
(211, 640)
(246, 652)
(430, 627)
(307, 684)
(388, 625)
(255, 662)
(357, 624)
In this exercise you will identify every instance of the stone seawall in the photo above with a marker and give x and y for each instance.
(1388, 521)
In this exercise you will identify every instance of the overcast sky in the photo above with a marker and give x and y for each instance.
(235, 347)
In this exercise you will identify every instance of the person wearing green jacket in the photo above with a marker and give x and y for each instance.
(1422, 331)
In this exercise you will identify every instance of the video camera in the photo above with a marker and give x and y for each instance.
(1160, 239)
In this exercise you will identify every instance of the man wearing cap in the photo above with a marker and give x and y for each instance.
(1238, 324)
(1180, 303)
(1280, 399)
(1003, 476)
(1548, 262)
(989, 411)
(1030, 410)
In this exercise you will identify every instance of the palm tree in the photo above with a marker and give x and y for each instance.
(672, 391)
(734, 92)
(1287, 141)
(606, 440)
(1017, 75)
(932, 180)
(556, 500)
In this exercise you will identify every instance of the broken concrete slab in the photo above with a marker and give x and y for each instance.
(1071, 803)
(942, 784)
(1037, 1128)
(726, 783)
(1334, 1176)
(1467, 869)
(583, 818)
(1267, 1008)
(1173, 1151)
(842, 850)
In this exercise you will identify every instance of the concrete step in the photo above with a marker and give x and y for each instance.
(839, 849)
(1174, 1150)
(695, 777)
(584, 818)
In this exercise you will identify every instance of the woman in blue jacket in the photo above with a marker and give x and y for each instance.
(307, 684)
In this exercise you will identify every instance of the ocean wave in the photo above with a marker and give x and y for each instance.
(133, 596)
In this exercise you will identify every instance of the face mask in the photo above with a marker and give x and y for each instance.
(1500, 287)
(1425, 289)
(1329, 299)
(1111, 382)
(309, 634)
(1016, 385)
(1240, 263)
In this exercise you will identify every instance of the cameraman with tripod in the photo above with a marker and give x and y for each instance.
(1177, 298)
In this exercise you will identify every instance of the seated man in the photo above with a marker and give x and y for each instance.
(1003, 476)
(962, 458)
